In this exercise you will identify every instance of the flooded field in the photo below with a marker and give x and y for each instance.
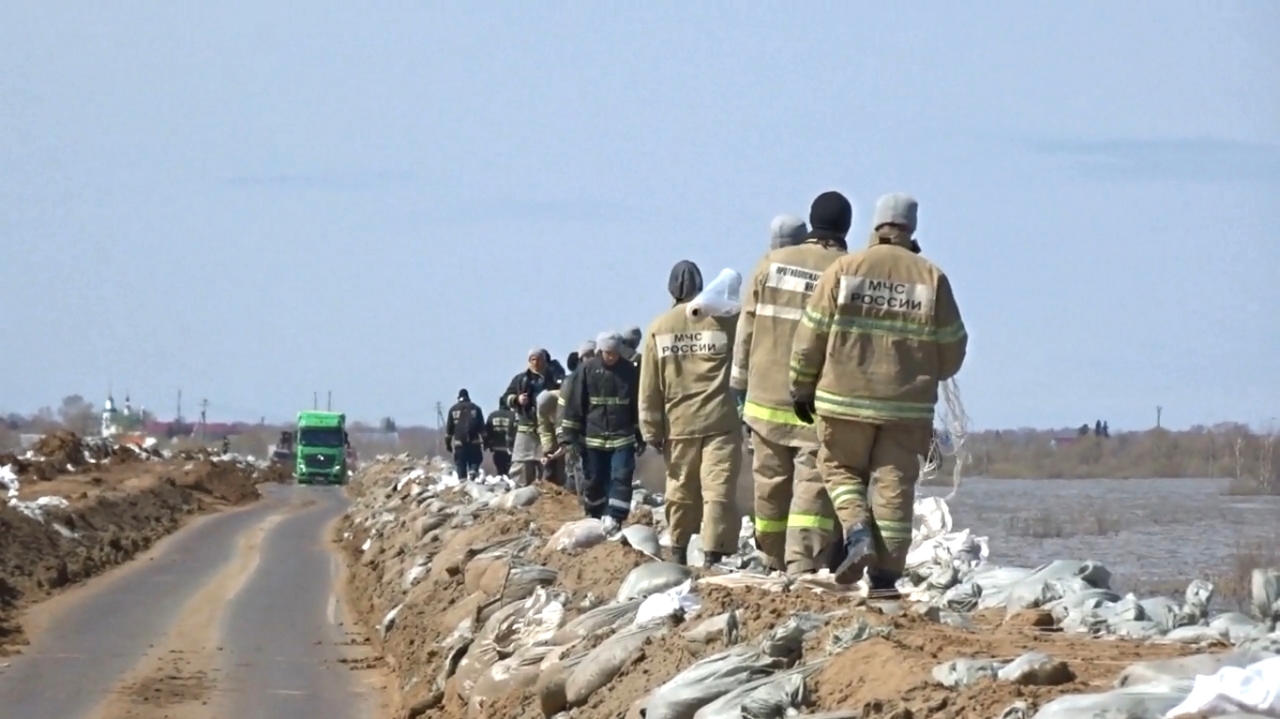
(1149, 533)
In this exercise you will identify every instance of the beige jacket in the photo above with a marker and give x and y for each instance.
(880, 332)
(684, 379)
(772, 305)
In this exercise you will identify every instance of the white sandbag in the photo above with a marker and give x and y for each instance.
(577, 536)
(609, 616)
(1143, 701)
(721, 298)
(1185, 668)
(604, 662)
(772, 697)
(707, 680)
(965, 672)
(1036, 669)
(642, 538)
(523, 497)
(1255, 689)
(652, 578)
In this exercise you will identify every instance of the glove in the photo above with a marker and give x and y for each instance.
(640, 448)
(915, 247)
(448, 444)
(659, 445)
(740, 399)
(804, 408)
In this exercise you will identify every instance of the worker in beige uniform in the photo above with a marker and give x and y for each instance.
(879, 334)
(688, 412)
(553, 455)
(794, 521)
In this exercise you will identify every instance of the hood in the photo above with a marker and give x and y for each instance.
(685, 282)
(787, 230)
(631, 337)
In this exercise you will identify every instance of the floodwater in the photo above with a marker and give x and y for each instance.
(1150, 532)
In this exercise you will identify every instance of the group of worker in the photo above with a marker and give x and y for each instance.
(833, 365)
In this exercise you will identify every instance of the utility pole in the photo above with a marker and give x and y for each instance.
(1159, 411)
(328, 402)
(315, 400)
(440, 428)
(204, 416)
(178, 417)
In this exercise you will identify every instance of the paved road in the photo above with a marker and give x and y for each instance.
(236, 615)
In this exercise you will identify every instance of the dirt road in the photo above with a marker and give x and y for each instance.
(236, 615)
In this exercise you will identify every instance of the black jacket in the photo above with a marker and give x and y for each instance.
(466, 423)
(532, 384)
(601, 405)
(500, 432)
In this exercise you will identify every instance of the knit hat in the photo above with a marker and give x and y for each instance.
(685, 281)
(786, 230)
(586, 348)
(464, 396)
(609, 342)
(830, 217)
(897, 208)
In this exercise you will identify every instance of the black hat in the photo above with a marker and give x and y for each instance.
(464, 395)
(830, 217)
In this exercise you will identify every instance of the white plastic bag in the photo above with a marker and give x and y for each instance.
(721, 298)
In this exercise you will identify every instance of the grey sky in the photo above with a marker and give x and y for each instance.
(392, 200)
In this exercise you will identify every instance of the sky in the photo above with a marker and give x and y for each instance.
(256, 201)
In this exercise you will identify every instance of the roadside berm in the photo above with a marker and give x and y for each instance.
(491, 601)
(90, 505)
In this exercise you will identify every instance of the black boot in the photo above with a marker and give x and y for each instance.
(859, 552)
(884, 584)
(680, 555)
(710, 559)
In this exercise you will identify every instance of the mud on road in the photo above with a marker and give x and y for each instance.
(116, 510)
(237, 614)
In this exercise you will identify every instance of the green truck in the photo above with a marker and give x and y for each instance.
(320, 448)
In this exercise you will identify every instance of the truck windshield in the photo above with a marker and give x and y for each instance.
(321, 437)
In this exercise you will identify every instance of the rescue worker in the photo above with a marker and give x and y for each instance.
(880, 332)
(794, 522)
(687, 412)
(464, 435)
(631, 338)
(600, 414)
(500, 435)
(521, 397)
(787, 230)
(552, 459)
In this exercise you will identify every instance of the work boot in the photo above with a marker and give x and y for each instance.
(680, 555)
(884, 584)
(711, 559)
(859, 552)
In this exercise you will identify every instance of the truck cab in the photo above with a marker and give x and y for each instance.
(320, 448)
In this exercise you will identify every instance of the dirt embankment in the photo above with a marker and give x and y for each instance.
(117, 506)
(429, 567)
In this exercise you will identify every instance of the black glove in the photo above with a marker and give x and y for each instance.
(915, 247)
(640, 446)
(739, 400)
(448, 444)
(804, 408)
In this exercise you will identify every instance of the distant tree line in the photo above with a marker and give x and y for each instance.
(1228, 450)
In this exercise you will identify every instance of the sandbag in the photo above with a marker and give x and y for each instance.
(965, 672)
(1186, 668)
(516, 673)
(1036, 669)
(523, 497)
(643, 538)
(725, 627)
(1265, 594)
(771, 697)
(577, 536)
(604, 662)
(550, 687)
(708, 679)
(652, 578)
(1143, 701)
(609, 616)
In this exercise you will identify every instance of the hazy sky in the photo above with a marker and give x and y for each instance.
(254, 200)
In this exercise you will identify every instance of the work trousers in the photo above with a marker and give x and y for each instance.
(609, 473)
(794, 523)
(870, 471)
(502, 462)
(467, 458)
(701, 472)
